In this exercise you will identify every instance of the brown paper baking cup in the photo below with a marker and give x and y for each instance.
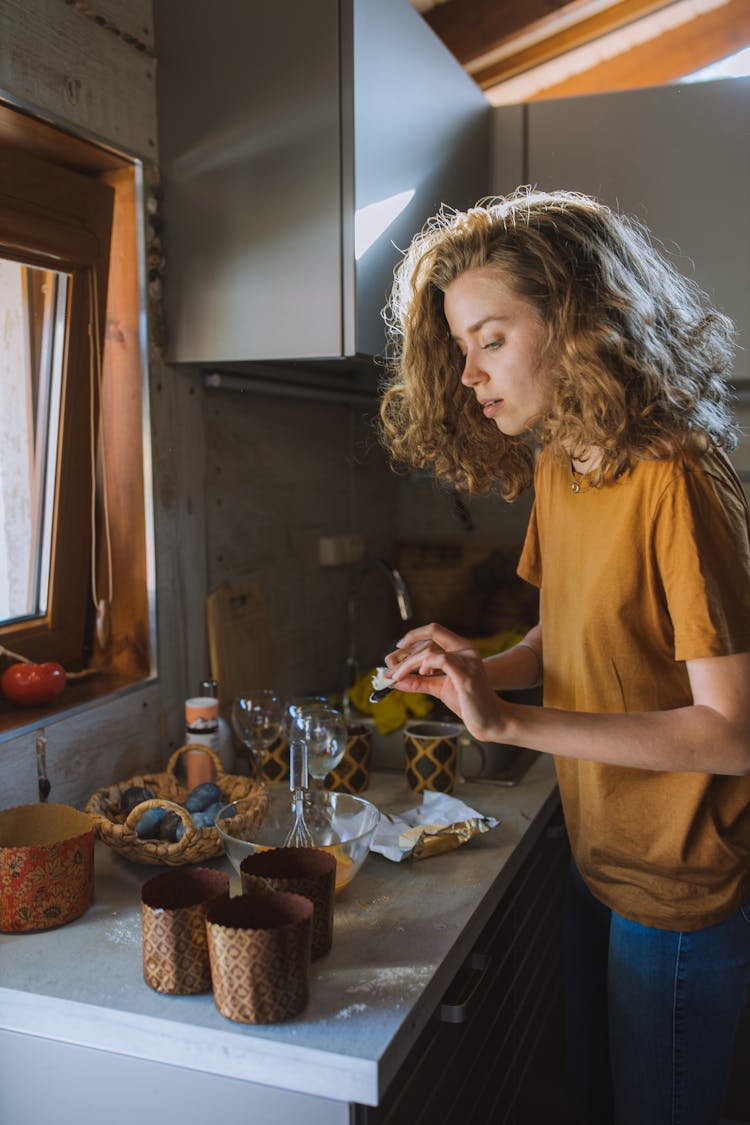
(173, 915)
(303, 871)
(352, 774)
(46, 866)
(259, 946)
(431, 753)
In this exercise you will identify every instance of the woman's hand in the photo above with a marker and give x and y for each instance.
(437, 662)
(419, 639)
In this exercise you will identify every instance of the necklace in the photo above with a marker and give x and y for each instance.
(576, 480)
(579, 481)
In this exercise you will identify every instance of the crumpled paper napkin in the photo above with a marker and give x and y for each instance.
(440, 824)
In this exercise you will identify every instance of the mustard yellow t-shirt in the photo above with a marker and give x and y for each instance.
(638, 576)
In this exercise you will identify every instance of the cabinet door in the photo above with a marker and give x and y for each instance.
(421, 133)
(248, 99)
(88, 1087)
(676, 156)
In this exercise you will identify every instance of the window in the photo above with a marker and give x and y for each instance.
(52, 219)
(73, 505)
(33, 303)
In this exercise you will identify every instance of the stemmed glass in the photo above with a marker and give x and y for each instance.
(324, 733)
(294, 708)
(257, 718)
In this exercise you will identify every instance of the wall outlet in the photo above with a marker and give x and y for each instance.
(341, 550)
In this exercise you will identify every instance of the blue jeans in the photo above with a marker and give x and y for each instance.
(651, 1014)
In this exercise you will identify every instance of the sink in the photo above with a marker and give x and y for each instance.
(495, 762)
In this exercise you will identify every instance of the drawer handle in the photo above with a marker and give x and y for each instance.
(460, 1010)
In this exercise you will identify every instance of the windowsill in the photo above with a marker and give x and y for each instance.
(78, 697)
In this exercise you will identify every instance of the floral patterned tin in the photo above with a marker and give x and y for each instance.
(46, 866)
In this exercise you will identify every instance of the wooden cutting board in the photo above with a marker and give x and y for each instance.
(238, 639)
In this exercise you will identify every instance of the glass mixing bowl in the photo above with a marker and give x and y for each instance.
(338, 823)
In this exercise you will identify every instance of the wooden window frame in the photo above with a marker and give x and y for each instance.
(55, 219)
(86, 190)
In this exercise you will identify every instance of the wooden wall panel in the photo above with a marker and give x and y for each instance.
(280, 474)
(131, 19)
(57, 60)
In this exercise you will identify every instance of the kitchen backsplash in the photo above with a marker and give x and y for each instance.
(282, 473)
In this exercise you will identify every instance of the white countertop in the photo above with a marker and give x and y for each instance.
(401, 932)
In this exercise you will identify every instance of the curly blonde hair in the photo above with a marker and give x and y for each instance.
(639, 356)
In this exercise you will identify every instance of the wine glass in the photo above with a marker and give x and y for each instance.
(257, 718)
(324, 733)
(294, 708)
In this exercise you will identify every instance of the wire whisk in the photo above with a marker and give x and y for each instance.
(299, 835)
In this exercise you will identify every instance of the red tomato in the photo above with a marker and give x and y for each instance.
(33, 684)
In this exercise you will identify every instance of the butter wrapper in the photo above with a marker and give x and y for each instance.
(440, 824)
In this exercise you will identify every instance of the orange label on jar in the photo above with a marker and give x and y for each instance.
(202, 714)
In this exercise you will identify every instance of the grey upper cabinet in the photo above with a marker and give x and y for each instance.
(301, 143)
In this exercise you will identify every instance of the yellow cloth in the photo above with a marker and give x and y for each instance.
(393, 711)
(498, 642)
(639, 576)
(400, 706)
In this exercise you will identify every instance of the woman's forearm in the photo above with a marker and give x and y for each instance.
(710, 735)
(518, 667)
(693, 738)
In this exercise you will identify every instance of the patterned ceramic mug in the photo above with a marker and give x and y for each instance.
(431, 755)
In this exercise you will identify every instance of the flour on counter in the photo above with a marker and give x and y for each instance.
(402, 977)
(345, 1013)
(125, 931)
(366, 915)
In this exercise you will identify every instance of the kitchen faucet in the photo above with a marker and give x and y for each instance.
(403, 601)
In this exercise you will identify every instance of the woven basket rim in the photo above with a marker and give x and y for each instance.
(196, 844)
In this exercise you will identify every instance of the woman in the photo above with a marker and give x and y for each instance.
(548, 322)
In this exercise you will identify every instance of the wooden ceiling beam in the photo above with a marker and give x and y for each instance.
(620, 15)
(681, 50)
(472, 29)
(469, 28)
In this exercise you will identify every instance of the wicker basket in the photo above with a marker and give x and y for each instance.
(197, 844)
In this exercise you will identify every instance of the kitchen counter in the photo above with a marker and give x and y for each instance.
(401, 933)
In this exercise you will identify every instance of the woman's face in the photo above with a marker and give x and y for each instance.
(501, 337)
